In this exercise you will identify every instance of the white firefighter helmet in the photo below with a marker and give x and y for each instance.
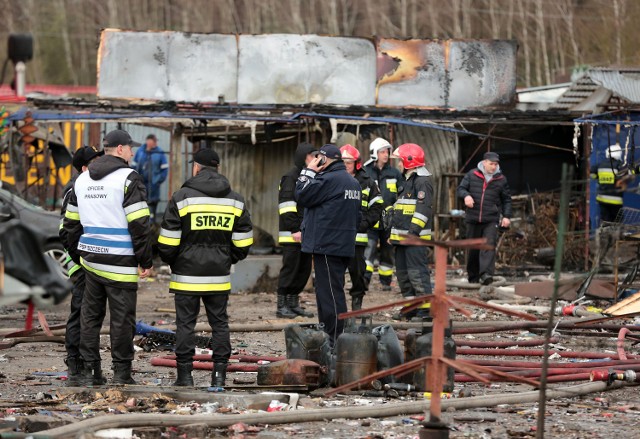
(377, 145)
(614, 152)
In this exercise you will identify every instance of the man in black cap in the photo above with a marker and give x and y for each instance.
(331, 199)
(107, 226)
(296, 265)
(486, 195)
(206, 228)
(81, 159)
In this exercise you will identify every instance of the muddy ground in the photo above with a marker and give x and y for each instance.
(25, 392)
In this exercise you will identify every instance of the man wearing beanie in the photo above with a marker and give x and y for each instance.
(81, 159)
(206, 228)
(331, 201)
(486, 195)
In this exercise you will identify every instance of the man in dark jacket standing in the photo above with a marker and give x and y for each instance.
(107, 226)
(296, 265)
(331, 199)
(81, 159)
(486, 195)
(388, 179)
(371, 210)
(206, 228)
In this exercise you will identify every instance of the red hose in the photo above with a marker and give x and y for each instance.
(205, 362)
(535, 353)
(205, 365)
(555, 375)
(620, 343)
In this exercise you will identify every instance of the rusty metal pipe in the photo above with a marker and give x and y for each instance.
(535, 353)
(534, 365)
(313, 415)
(502, 344)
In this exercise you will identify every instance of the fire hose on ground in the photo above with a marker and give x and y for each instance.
(313, 415)
(204, 362)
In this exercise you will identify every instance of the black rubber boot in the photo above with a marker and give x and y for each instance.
(122, 373)
(184, 375)
(293, 303)
(91, 375)
(219, 375)
(356, 303)
(283, 310)
(75, 366)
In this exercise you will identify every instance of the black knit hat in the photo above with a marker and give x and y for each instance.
(206, 157)
(84, 155)
(491, 156)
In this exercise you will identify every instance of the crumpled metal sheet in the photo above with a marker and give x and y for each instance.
(625, 83)
(300, 69)
(167, 66)
(446, 73)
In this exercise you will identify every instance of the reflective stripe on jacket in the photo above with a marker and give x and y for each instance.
(412, 212)
(205, 229)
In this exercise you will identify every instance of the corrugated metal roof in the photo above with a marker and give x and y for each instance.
(625, 83)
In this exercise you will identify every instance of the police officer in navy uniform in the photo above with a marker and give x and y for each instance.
(206, 228)
(107, 222)
(332, 200)
(412, 215)
(296, 265)
(81, 159)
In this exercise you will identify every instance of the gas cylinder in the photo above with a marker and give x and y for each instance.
(357, 355)
(423, 349)
(410, 352)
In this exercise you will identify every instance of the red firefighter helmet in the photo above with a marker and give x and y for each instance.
(412, 155)
(350, 152)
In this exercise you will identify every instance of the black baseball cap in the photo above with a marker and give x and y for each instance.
(118, 137)
(84, 155)
(331, 151)
(206, 157)
(491, 156)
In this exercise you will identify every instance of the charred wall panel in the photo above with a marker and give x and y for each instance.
(167, 66)
(300, 69)
(449, 73)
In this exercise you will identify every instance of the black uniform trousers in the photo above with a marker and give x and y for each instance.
(414, 276)
(72, 333)
(330, 296)
(295, 272)
(384, 253)
(481, 261)
(122, 327)
(357, 268)
(187, 310)
(609, 212)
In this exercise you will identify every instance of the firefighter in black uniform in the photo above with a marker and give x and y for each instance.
(371, 210)
(296, 266)
(81, 159)
(486, 195)
(107, 222)
(388, 179)
(205, 229)
(331, 199)
(412, 215)
(610, 173)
